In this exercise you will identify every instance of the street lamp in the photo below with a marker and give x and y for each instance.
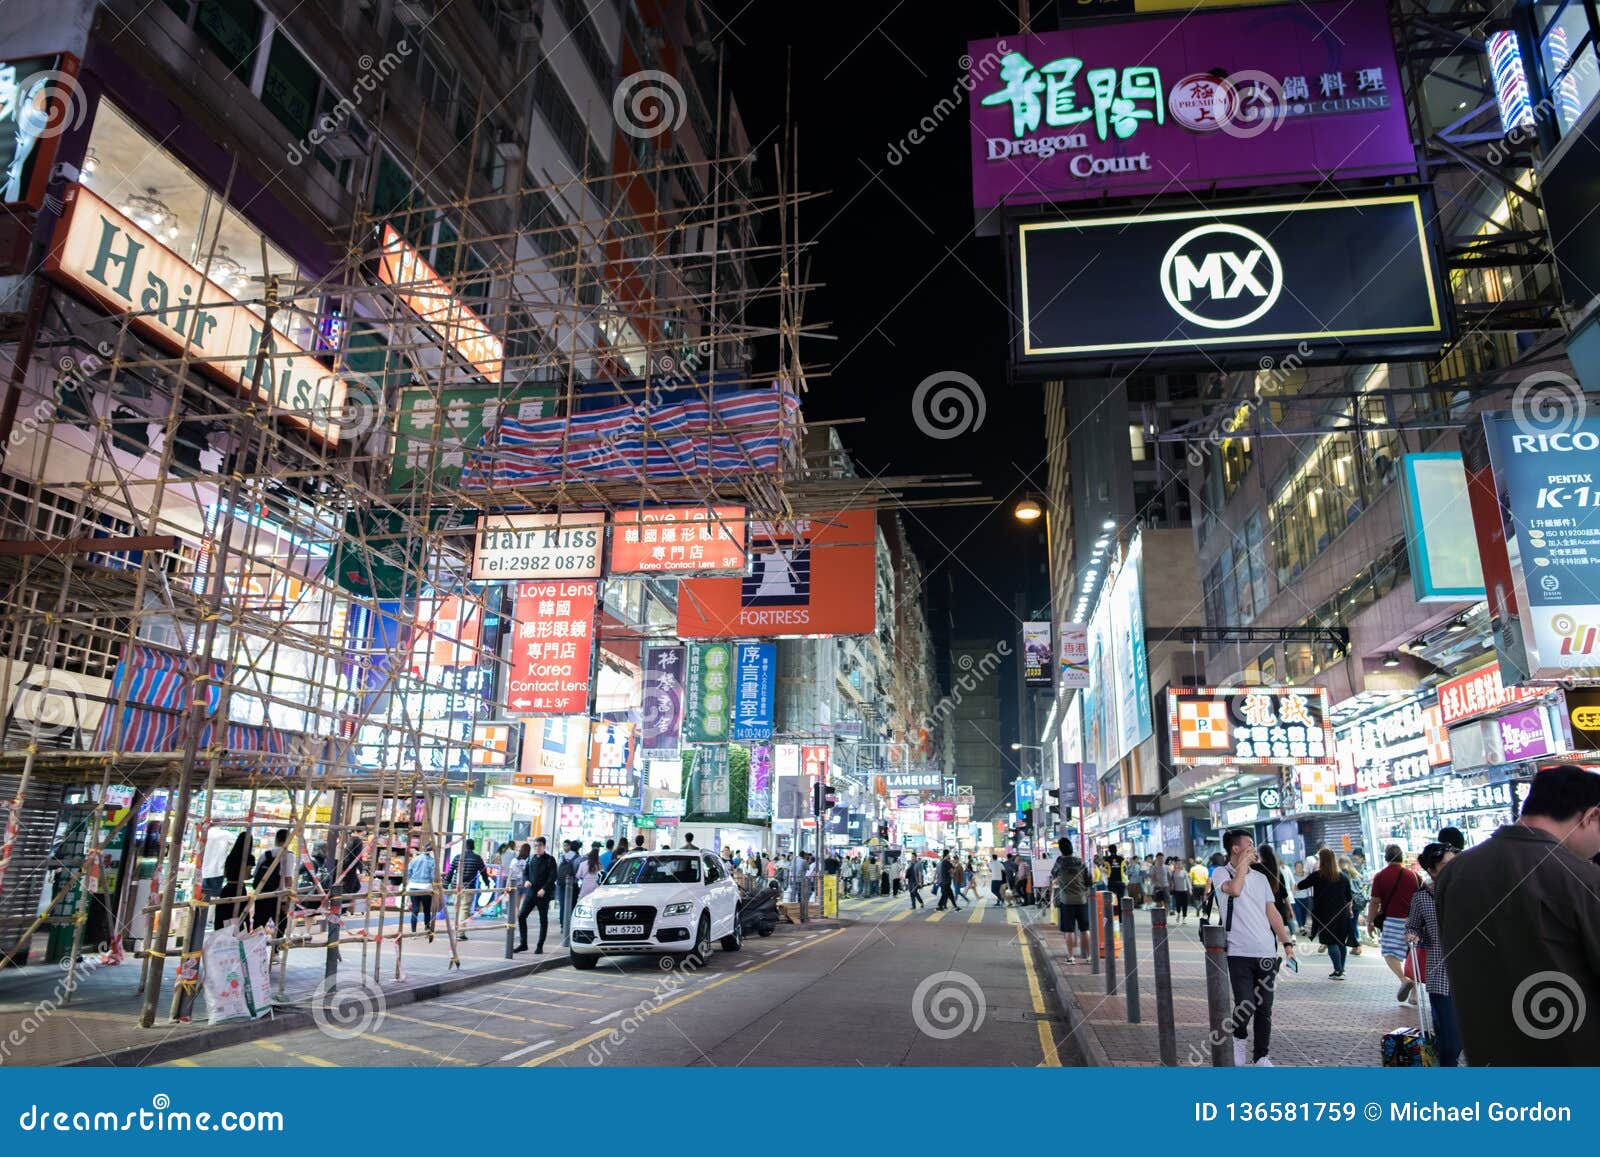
(1028, 510)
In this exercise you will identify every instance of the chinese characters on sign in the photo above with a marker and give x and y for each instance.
(426, 294)
(661, 712)
(1250, 725)
(1117, 101)
(611, 757)
(756, 675)
(1525, 735)
(678, 540)
(1391, 747)
(709, 693)
(1074, 656)
(710, 792)
(1480, 692)
(434, 434)
(552, 649)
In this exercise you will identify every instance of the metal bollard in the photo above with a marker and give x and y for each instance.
(1110, 928)
(1130, 963)
(1094, 933)
(1219, 995)
(1161, 961)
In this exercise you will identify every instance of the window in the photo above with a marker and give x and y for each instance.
(1136, 443)
(436, 82)
(290, 87)
(574, 13)
(1567, 58)
(561, 115)
(231, 29)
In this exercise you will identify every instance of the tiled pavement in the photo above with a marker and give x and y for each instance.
(1316, 1021)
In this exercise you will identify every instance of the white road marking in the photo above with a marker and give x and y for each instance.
(742, 963)
(606, 1017)
(525, 1051)
(772, 952)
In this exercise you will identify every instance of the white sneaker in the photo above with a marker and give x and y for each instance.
(1241, 1054)
(1265, 1061)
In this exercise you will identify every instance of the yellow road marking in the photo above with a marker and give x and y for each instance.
(452, 1028)
(594, 1036)
(301, 1057)
(184, 1064)
(400, 1044)
(1047, 1040)
(977, 915)
(592, 991)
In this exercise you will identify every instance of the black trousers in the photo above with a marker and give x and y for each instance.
(422, 904)
(945, 893)
(530, 904)
(1253, 981)
(1180, 901)
(916, 896)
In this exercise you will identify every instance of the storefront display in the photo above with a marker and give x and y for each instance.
(1413, 818)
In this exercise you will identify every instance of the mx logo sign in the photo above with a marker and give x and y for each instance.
(1221, 276)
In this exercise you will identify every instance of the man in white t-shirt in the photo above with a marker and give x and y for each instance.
(1247, 910)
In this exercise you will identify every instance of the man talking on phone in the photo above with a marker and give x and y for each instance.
(1255, 929)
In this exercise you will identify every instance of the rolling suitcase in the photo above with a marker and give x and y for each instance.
(1411, 1048)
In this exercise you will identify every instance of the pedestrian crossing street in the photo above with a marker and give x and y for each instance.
(894, 909)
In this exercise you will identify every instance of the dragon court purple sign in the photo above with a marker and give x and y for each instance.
(1258, 96)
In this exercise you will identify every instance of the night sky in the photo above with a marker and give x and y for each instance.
(909, 291)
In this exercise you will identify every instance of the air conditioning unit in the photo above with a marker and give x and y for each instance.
(350, 141)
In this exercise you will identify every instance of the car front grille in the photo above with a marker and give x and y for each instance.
(608, 918)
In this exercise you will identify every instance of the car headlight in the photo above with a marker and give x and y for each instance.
(583, 911)
(677, 909)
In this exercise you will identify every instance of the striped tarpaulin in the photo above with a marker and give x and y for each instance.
(158, 699)
(736, 434)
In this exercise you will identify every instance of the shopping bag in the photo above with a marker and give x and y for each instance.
(234, 974)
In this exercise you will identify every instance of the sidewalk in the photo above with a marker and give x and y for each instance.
(100, 1023)
(1315, 1021)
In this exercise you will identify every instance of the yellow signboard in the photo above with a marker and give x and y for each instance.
(830, 895)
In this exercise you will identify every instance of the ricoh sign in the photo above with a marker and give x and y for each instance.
(1203, 101)
(1201, 285)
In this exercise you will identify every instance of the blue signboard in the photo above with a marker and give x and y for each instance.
(755, 686)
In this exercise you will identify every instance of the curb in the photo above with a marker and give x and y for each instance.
(284, 1021)
(1080, 1032)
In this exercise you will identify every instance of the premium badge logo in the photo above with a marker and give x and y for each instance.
(1221, 276)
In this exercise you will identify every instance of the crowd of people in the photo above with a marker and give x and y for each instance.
(1503, 938)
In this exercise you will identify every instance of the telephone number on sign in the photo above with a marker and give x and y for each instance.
(1258, 1111)
(539, 563)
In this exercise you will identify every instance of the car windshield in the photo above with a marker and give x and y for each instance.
(655, 870)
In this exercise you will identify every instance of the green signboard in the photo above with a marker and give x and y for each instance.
(708, 693)
(435, 431)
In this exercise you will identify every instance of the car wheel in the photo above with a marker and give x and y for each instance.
(764, 931)
(734, 940)
(700, 954)
(582, 961)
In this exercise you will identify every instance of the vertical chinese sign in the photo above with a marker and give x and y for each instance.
(710, 793)
(661, 713)
(755, 675)
(552, 650)
(708, 688)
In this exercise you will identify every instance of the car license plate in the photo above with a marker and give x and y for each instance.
(626, 930)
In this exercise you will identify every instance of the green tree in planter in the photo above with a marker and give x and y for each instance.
(738, 788)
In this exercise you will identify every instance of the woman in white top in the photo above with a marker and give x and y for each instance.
(588, 872)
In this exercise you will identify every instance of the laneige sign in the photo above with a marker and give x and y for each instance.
(99, 252)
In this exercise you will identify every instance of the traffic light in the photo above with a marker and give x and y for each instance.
(830, 796)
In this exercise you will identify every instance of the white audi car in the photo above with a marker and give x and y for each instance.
(672, 903)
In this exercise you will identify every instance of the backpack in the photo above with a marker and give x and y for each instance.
(1072, 883)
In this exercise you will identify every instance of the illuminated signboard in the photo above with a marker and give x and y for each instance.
(538, 546)
(425, 293)
(1480, 692)
(1036, 654)
(1194, 284)
(678, 540)
(99, 252)
(1200, 101)
(1268, 726)
(552, 649)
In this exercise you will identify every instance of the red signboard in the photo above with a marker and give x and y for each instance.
(1480, 692)
(552, 648)
(809, 576)
(814, 762)
(678, 540)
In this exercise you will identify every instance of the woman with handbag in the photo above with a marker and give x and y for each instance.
(1332, 909)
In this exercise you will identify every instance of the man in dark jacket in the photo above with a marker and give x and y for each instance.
(541, 886)
(1519, 919)
(348, 882)
(470, 869)
(945, 878)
